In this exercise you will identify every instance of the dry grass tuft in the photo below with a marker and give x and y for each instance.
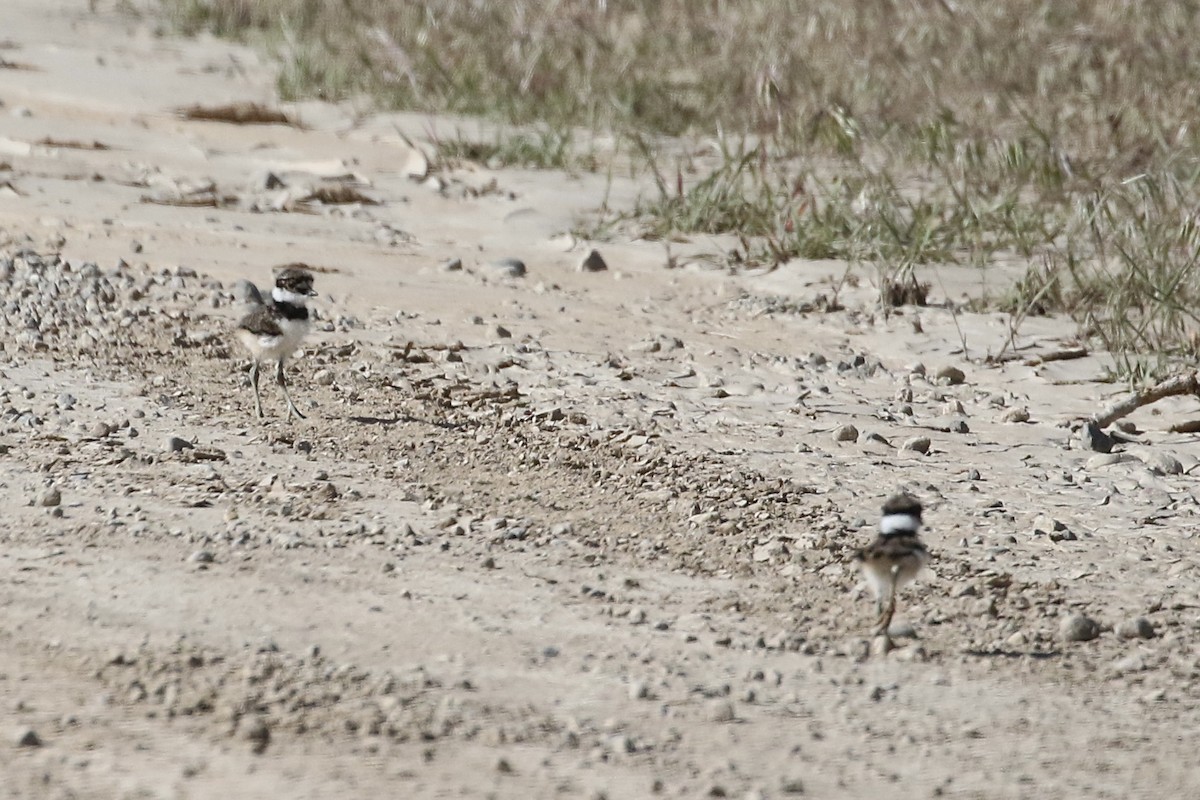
(894, 133)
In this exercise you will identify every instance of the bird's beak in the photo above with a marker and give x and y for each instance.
(312, 293)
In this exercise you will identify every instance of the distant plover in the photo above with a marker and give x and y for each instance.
(895, 557)
(273, 330)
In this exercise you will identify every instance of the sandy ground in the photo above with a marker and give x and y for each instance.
(570, 534)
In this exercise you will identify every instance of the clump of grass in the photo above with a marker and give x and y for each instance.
(1102, 81)
(542, 148)
(785, 208)
(895, 133)
(1135, 272)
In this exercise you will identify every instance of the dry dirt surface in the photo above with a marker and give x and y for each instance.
(558, 534)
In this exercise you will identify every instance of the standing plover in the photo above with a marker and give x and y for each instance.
(273, 330)
(895, 557)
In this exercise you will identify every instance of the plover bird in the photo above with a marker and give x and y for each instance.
(895, 557)
(273, 330)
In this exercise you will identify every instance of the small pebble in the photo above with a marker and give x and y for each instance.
(951, 375)
(50, 498)
(176, 444)
(721, 711)
(918, 444)
(1108, 459)
(846, 433)
(27, 737)
(593, 262)
(1165, 463)
(791, 786)
(507, 268)
(1019, 414)
(1094, 438)
(1136, 628)
(1078, 628)
(259, 736)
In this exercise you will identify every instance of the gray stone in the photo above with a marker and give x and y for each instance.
(323, 377)
(791, 786)
(1165, 463)
(27, 737)
(1018, 414)
(867, 437)
(201, 557)
(259, 735)
(507, 268)
(770, 550)
(1078, 628)
(261, 181)
(593, 262)
(721, 711)
(176, 444)
(953, 406)
(951, 375)
(1108, 459)
(918, 444)
(50, 498)
(452, 265)
(1130, 663)
(846, 433)
(1136, 628)
(1093, 437)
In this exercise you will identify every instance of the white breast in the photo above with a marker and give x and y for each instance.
(276, 348)
(294, 331)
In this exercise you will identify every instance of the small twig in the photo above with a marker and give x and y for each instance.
(1180, 384)
(1066, 354)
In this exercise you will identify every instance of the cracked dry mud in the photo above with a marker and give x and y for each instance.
(605, 555)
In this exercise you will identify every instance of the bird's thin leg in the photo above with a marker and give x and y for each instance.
(885, 617)
(287, 395)
(887, 608)
(254, 383)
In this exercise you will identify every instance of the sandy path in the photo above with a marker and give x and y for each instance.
(605, 556)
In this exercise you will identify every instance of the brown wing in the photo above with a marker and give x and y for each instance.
(891, 549)
(261, 322)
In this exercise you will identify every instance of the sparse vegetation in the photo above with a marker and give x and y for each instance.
(896, 134)
(540, 148)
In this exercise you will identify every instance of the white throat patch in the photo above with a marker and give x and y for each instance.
(899, 523)
(284, 296)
